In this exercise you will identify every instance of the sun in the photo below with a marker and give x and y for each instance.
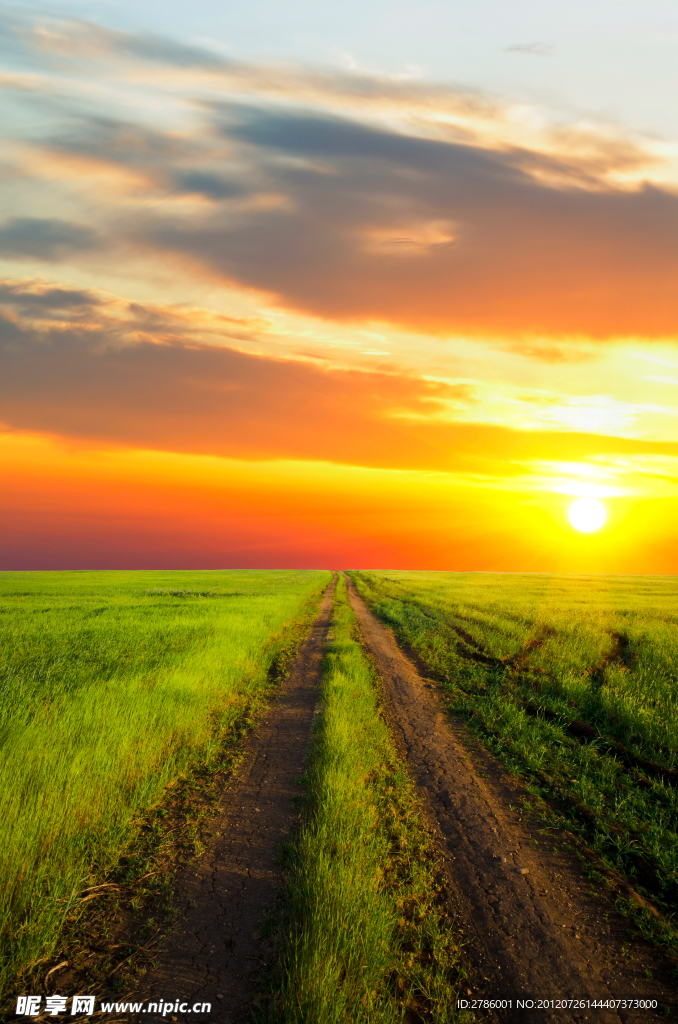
(587, 514)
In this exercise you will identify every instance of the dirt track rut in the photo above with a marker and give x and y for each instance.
(215, 951)
(533, 935)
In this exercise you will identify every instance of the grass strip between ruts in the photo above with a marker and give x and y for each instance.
(362, 935)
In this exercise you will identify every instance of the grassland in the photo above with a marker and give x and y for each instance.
(112, 683)
(363, 938)
(573, 683)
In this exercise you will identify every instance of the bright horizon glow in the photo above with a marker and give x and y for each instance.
(587, 514)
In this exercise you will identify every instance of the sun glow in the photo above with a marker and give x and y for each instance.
(587, 515)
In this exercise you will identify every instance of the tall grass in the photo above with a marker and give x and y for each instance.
(111, 683)
(524, 656)
(363, 938)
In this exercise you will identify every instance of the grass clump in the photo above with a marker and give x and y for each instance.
(114, 686)
(363, 936)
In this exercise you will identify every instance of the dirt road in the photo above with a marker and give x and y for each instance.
(532, 931)
(214, 953)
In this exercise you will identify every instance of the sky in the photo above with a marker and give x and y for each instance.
(375, 285)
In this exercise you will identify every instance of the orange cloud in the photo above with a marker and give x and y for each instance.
(525, 258)
(488, 244)
(73, 366)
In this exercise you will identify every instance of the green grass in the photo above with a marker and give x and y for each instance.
(523, 657)
(363, 937)
(112, 684)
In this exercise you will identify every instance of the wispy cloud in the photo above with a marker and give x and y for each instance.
(536, 49)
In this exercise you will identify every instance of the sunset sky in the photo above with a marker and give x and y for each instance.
(380, 285)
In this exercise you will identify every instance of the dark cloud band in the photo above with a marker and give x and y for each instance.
(43, 239)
